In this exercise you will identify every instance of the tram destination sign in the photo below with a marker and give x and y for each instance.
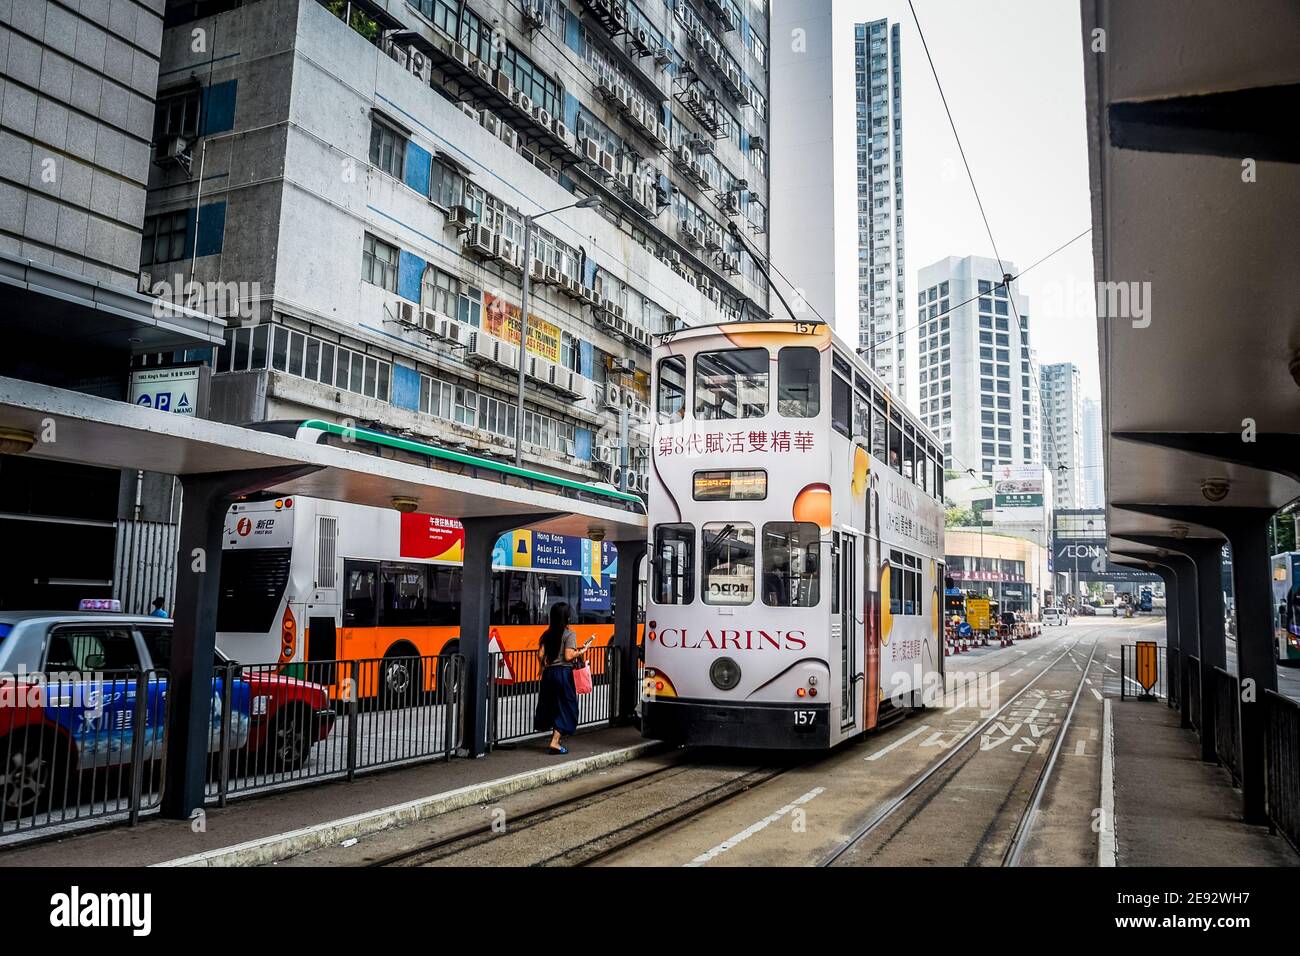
(730, 485)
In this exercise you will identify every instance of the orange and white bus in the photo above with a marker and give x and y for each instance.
(309, 580)
(796, 542)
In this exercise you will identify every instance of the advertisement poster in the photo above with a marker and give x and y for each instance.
(1018, 491)
(501, 318)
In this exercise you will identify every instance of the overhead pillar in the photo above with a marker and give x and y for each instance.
(626, 620)
(476, 622)
(205, 500)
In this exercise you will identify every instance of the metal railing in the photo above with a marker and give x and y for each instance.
(1194, 690)
(1227, 721)
(1172, 686)
(276, 725)
(515, 677)
(80, 746)
(1282, 762)
(1130, 678)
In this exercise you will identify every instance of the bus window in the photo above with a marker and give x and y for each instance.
(861, 415)
(791, 569)
(444, 595)
(841, 412)
(253, 581)
(909, 458)
(674, 564)
(728, 563)
(403, 596)
(359, 600)
(895, 446)
(798, 382)
(731, 384)
(671, 402)
(896, 577)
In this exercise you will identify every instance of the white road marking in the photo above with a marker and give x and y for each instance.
(1017, 671)
(1106, 838)
(950, 710)
(749, 831)
(1095, 693)
(898, 743)
(1111, 669)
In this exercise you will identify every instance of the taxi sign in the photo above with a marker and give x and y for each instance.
(100, 604)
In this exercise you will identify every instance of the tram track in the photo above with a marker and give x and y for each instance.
(922, 790)
(616, 834)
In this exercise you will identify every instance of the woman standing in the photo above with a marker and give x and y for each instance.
(557, 702)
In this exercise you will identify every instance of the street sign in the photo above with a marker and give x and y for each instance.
(977, 613)
(1148, 668)
(179, 390)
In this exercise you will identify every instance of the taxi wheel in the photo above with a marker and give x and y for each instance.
(290, 739)
(27, 777)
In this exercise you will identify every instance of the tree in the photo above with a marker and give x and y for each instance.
(957, 517)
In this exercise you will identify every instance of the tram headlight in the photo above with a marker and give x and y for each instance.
(725, 673)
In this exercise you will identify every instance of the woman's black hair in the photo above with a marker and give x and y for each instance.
(552, 639)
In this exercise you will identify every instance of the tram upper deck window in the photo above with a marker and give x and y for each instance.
(674, 564)
(879, 429)
(727, 559)
(731, 384)
(909, 454)
(798, 382)
(791, 569)
(841, 405)
(671, 400)
(895, 442)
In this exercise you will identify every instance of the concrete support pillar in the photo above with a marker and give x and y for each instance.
(1205, 552)
(1189, 628)
(1173, 661)
(1256, 669)
(476, 622)
(626, 619)
(205, 499)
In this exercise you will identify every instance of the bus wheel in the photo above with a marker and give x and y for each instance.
(446, 669)
(400, 678)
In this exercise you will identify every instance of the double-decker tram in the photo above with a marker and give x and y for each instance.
(796, 542)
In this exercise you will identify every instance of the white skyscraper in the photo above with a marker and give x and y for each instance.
(1094, 479)
(1062, 399)
(977, 369)
(878, 107)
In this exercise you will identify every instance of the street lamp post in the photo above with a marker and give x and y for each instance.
(588, 202)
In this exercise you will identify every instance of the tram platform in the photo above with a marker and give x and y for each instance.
(263, 829)
(1174, 809)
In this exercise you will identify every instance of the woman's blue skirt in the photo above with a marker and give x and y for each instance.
(557, 701)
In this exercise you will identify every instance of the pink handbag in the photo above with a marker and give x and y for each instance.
(582, 679)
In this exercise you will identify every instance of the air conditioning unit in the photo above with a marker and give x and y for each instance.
(542, 116)
(462, 56)
(537, 270)
(407, 314)
(713, 238)
(462, 217)
(534, 14)
(641, 336)
(588, 295)
(697, 173)
(503, 84)
(613, 397)
(591, 151)
(625, 182)
(508, 252)
(731, 263)
(144, 284)
(561, 132)
(641, 40)
(638, 113)
(660, 134)
(483, 72)
(174, 148)
(468, 110)
(523, 101)
(608, 163)
(641, 411)
(481, 240)
(509, 136)
(482, 348)
(553, 276)
(731, 204)
(539, 369)
(570, 286)
(683, 157)
(490, 121)
(606, 454)
(757, 142)
(449, 329)
(693, 234)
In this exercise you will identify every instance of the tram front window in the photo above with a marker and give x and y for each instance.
(798, 382)
(790, 565)
(674, 564)
(728, 560)
(671, 400)
(731, 384)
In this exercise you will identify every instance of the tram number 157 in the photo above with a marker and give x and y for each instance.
(804, 720)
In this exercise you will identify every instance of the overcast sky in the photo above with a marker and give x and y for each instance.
(1012, 71)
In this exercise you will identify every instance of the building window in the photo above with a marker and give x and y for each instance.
(177, 115)
(163, 238)
(379, 263)
(387, 149)
(535, 84)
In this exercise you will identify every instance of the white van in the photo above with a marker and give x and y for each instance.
(1054, 615)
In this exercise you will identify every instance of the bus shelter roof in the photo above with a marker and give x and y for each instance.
(1173, 113)
(86, 429)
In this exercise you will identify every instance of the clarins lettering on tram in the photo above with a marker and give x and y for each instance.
(746, 640)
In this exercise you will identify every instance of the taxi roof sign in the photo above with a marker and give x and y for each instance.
(100, 604)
